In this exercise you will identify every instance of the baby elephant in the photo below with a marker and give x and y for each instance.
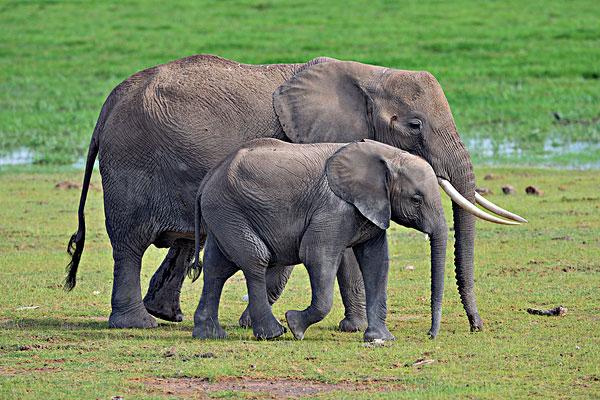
(273, 204)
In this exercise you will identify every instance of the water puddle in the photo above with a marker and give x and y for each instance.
(22, 156)
(551, 152)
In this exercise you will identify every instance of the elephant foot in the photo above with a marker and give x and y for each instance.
(476, 323)
(137, 317)
(209, 330)
(353, 325)
(379, 333)
(269, 329)
(168, 310)
(296, 323)
(245, 321)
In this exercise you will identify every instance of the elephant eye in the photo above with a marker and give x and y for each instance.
(415, 124)
(417, 199)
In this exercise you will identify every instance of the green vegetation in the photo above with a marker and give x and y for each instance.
(63, 349)
(506, 66)
(523, 80)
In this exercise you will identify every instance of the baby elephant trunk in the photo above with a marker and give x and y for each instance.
(438, 259)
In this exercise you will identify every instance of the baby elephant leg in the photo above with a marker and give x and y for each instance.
(217, 269)
(321, 270)
(276, 278)
(373, 259)
(264, 323)
(352, 290)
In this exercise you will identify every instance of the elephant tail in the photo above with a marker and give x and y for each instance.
(77, 241)
(196, 268)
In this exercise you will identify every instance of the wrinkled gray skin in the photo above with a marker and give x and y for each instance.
(273, 204)
(162, 129)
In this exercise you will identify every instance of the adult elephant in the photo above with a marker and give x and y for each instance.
(161, 130)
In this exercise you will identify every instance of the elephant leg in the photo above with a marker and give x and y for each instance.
(217, 269)
(162, 298)
(128, 310)
(276, 278)
(372, 257)
(264, 323)
(352, 290)
(321, 270)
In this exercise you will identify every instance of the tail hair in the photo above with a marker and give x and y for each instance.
(75, 249)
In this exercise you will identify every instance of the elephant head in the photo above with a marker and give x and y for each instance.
(385, 184)
(341, 101)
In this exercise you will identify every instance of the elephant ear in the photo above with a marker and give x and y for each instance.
(327, 102)
(358, 174)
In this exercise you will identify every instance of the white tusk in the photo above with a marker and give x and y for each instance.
(470, 207)
(485, 203)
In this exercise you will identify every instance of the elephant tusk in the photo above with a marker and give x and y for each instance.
(470, 207)
(488, 205)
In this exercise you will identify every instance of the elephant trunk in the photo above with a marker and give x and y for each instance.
(462, 178)
(438, 260)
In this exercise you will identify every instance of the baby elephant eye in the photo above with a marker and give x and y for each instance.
(415, 124)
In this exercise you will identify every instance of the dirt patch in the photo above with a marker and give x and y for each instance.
(9, 371)
(69, 185)
(275, 388)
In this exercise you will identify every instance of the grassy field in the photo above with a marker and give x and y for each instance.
(506, 66)
(63, 349)
(523, 80)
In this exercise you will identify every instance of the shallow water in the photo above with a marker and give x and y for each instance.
(551, 152)
(21, 156)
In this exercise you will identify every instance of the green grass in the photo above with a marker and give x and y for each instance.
(63, 349)
(505, 66)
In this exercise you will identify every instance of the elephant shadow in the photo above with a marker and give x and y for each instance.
(89, 328)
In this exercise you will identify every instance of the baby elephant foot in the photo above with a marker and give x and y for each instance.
(245, 321)
(268, 329)
(136, 317)
(209, 330)
(379, 333)
(297, 323)
(168, 310)
(352, 325)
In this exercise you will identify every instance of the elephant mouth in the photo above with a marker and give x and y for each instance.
(460, 200)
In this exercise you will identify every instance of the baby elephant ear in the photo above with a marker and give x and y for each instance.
(358, 174)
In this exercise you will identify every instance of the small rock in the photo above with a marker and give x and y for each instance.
(483, 191)
(508, 189)
(116, 398)
(27, 308)
(410, 268)
(532, 190)
(566, 237)
(245, 298)
(170, 353)
(489, 177)
(422, 361)
(205, 355)
(376, 343)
